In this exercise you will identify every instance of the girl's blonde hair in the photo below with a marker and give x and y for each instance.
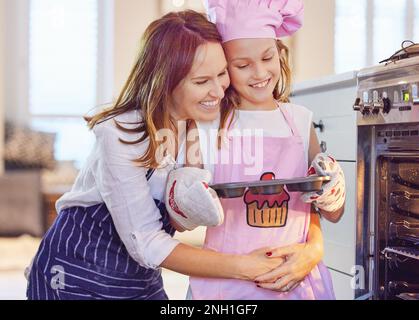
(281, 93)
(167, 53)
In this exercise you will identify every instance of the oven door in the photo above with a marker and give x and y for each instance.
(397, 226)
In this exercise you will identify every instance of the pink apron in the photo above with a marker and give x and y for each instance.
(255, 221)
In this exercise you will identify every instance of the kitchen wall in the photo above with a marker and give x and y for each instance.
(313, 45)
(131, 19)
(312, 48)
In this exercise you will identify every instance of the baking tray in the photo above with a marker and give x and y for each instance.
(267, 187)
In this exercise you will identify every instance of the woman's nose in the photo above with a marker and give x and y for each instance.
(217, 91)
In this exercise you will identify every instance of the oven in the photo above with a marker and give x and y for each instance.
(387, 225)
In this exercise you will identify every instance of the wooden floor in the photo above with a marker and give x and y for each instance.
(16, 254)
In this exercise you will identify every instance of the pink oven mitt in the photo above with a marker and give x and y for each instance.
(190, 202)
(332, 195)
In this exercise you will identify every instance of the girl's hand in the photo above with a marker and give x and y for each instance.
(300, 259)
(257, 263)
(332, 196)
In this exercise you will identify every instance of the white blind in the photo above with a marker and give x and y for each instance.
(63, 56)
(350, 35)
(389, 28)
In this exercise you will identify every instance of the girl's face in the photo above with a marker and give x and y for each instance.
(199, 94)
(254, 69)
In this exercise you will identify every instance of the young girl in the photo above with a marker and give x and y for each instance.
(257, 99)
(112, 233)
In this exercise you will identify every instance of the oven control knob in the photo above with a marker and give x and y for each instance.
(366, 110)
(386, 105)
(357, 105)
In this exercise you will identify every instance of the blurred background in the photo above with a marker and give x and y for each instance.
(61, 58)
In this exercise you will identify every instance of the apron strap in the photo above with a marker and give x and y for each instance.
(149, 173)
(289, 121)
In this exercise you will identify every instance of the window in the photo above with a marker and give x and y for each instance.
(350, 42)
(368, 31)
(389, 29)
(416, 21)
(175, 5)
(64, 63)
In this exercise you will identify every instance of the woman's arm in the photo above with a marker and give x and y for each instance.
(314, 149)
(199, 262)
(127, 195)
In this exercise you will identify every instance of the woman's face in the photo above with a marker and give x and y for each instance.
(254, 69)
(199, 94)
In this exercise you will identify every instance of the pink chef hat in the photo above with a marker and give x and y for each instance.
(238, 19)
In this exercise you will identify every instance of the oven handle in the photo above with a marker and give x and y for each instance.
(396, 178)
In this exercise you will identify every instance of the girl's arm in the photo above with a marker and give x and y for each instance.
(314, 149)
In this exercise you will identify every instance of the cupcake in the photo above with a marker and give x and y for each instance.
(267, 211)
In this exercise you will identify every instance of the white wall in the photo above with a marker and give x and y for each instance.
(131, 19)
(16, 60)
(313, 45)
(1, 86)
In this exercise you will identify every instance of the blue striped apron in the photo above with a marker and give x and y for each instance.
(82, 257)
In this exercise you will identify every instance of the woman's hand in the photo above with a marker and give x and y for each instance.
(300, 259)
(176, 225)
(257, 263)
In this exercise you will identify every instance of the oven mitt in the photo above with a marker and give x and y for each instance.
(190, 202)
(332, 195)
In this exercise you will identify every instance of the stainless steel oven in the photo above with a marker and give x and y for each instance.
(387, 231)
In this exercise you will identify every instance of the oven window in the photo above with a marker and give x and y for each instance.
(398, 226)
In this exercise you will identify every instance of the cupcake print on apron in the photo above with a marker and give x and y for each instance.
(267, 211)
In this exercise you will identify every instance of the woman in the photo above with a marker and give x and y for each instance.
(112, 233)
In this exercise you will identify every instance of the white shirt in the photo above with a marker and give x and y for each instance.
(271, 122)
(109, 176)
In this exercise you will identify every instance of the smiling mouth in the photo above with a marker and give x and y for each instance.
(262, 84)
(210, 105)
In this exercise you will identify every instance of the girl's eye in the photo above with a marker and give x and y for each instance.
(242, 66)
(202, 82)
(268, 59)
(223, 73)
